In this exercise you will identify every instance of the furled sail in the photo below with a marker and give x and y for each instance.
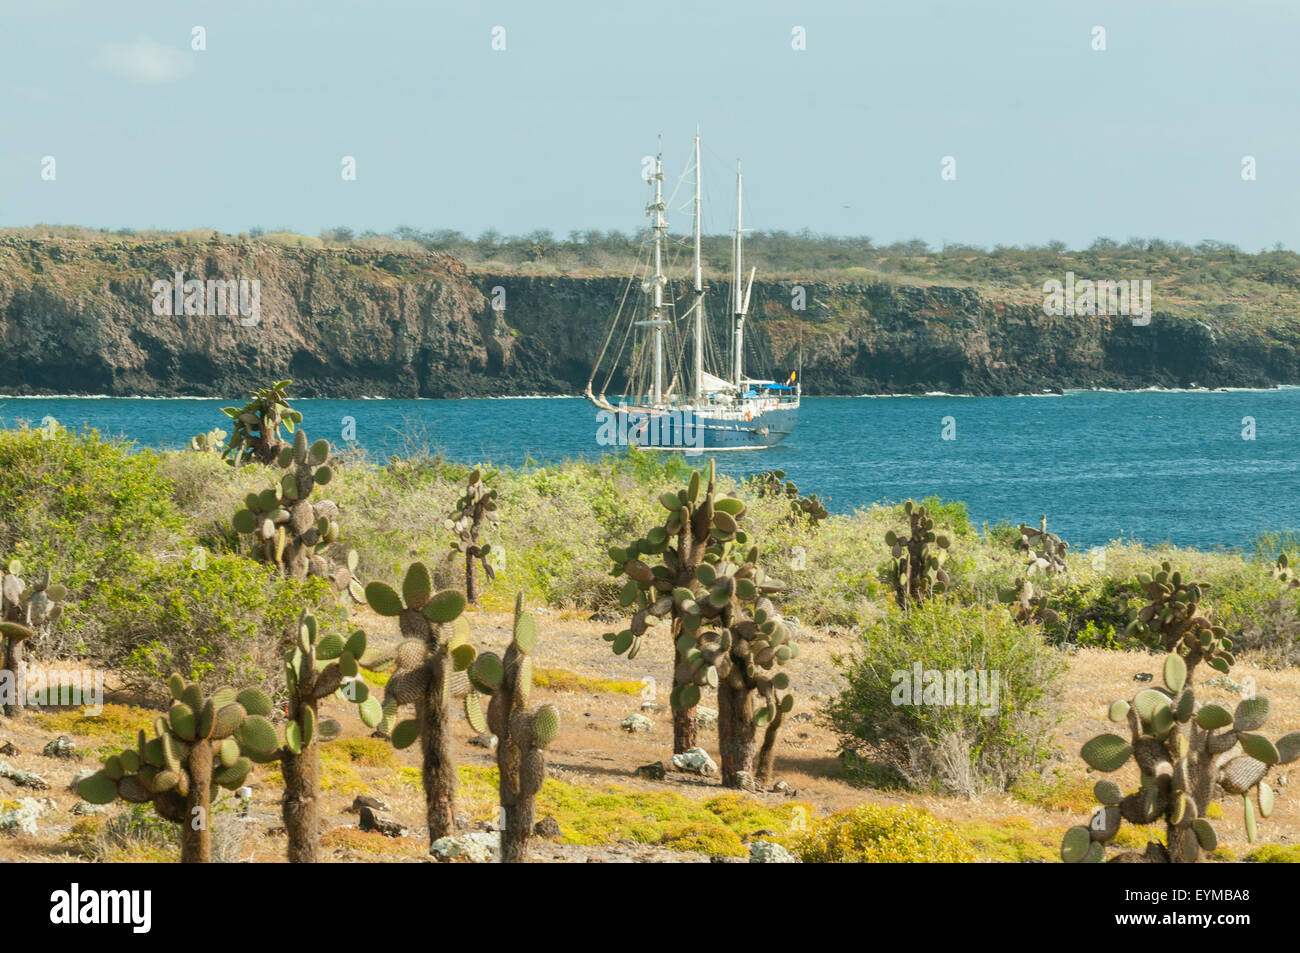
(710, 384)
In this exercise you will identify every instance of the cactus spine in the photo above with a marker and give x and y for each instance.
(1182, 749)
(256, 431)
(298, 536)
(25, 611)
(477, 507)
(522, 736)
(916, 570)
(199, 747)
(436, 634)
(316, 667)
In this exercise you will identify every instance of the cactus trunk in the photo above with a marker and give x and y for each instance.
(301, 805)
(767, 753)
(471, 580)
(684, 727)
(736, 736)
(519, 820)
(439, 764)
(196, 828)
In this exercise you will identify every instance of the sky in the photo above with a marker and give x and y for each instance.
(1051, 138)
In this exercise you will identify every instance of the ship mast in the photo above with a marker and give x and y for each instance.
(699, 283)
(656, 212)
(739, 345)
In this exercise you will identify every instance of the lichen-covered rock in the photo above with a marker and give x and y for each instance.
(636, 722)
(24, 779)
(770, 852)
(61, 747)
(696, 761)
(706, 717)
(475, 848)
(23, 817)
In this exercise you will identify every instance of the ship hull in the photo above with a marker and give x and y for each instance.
(691, 431)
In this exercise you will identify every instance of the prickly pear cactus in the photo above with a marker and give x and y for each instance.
(664, 561)
(25, 612)
(803, 509)
(477, 507)
(522, 736)
(727, 634)
(1283, 572)
(298, 535)
(1046, 550)
(1026, 606)
(256, 431)
(809, 509)
(209, 442)
(1183, 749)
(436, 646)
(199, 747)
(316, 667)
(733, 640)
(772, 483)
(916, 568)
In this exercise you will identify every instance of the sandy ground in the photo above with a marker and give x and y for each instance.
(592, 749)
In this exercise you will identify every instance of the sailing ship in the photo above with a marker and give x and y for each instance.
(706, 403)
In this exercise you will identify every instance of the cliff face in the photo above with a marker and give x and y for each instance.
(79, 317)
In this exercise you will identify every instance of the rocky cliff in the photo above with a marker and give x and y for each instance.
(88, 317)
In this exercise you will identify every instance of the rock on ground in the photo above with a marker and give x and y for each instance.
(22, 778)
(61, 747)
(695, 761)
(23, 817)
(475, 848)
(637, 722)
(386, 824)
(770, 852)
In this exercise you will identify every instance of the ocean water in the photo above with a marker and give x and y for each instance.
(1149, 465)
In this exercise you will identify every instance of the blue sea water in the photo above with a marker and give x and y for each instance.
(1149, 465)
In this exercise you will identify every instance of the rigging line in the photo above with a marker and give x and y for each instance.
(614, 326)
(613, 366)
(610, 333)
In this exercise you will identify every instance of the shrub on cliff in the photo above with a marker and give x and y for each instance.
(960, 698)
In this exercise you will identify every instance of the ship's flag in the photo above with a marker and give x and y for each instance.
(791, 380)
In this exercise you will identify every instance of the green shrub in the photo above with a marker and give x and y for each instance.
(970, 736)
(81, 505)
(223, 624)
(876, 834)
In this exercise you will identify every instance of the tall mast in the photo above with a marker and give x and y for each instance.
(699, 282)
(657, 218)
(738, 356)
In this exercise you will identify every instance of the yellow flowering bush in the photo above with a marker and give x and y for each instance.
(876, 834)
